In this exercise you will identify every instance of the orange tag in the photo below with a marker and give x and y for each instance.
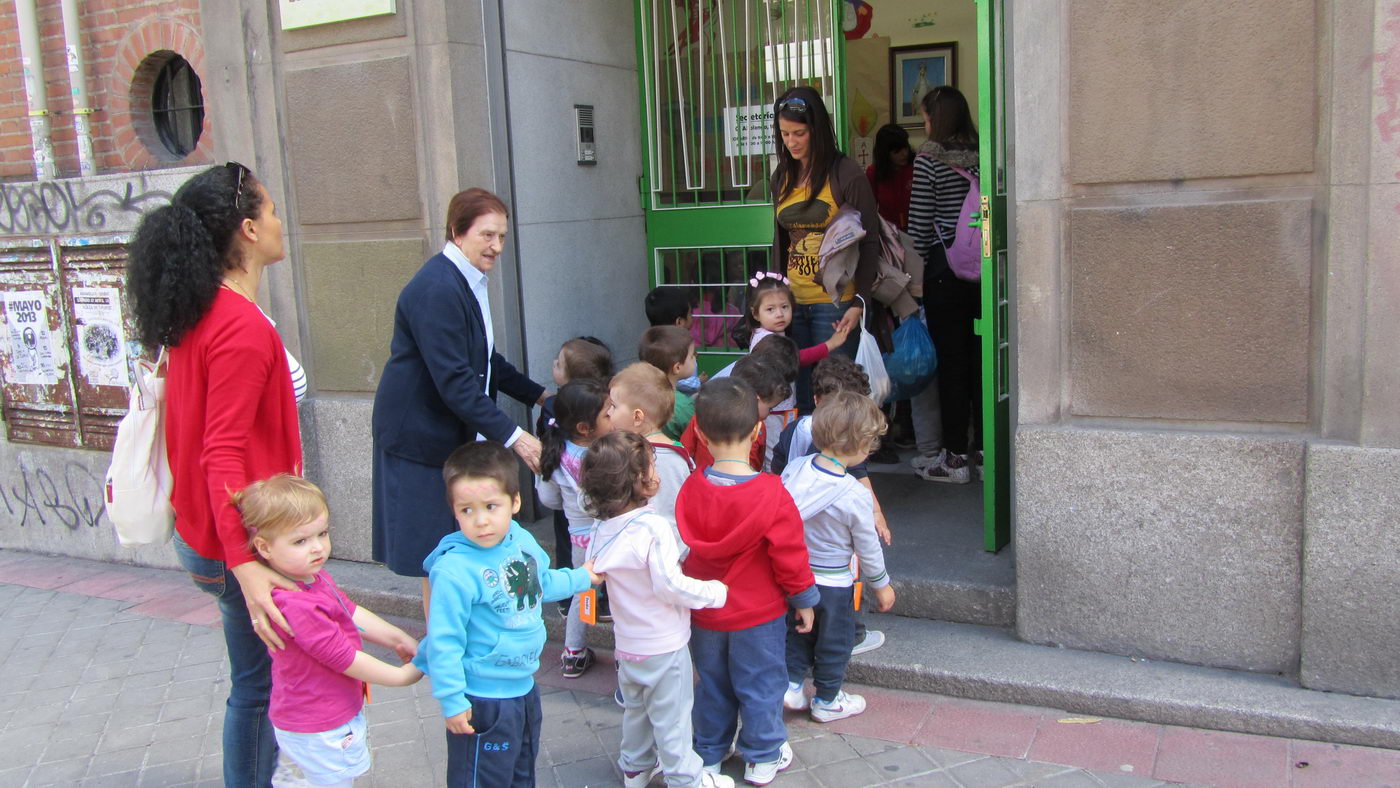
(588, 607)
(365, 684)
(857, 594)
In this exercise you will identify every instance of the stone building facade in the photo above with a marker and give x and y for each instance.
(1204, 266)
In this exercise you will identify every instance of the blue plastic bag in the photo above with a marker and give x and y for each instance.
(912, 363)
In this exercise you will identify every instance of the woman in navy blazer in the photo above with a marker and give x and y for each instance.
(439, 386)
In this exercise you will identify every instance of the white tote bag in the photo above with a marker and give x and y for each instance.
(869, 358)
(139, 481)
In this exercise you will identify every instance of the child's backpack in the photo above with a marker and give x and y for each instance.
(965, 252)
(139, 480)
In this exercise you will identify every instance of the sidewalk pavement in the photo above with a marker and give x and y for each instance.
(116, 675)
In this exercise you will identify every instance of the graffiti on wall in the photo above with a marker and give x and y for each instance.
(69, 497)
(47, 207)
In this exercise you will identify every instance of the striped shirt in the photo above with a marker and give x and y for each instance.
(935, 201)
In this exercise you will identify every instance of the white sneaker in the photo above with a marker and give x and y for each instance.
(922, 461)
(640, 779)
(794, 699)
(873, 639)
(713, 780)
(842, 706)
(764, 773)
(711, 768)
(951, 468)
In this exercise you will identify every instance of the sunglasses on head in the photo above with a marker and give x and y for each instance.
(796, 106)
(240, 170)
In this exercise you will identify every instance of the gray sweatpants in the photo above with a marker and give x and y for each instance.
(575, 631)
(657, 694)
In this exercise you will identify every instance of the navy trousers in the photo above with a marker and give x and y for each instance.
(826, 650)
(503, 749)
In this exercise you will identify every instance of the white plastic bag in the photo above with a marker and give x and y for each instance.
(869, 358)
(139, 481)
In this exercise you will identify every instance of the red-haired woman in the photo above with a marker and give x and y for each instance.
(439, 386)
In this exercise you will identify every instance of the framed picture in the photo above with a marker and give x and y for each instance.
(914, 71)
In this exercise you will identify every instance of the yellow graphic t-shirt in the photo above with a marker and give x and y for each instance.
(806, 226)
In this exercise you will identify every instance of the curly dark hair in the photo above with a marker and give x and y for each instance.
(180, 251)
(838, 373)
(614, 474)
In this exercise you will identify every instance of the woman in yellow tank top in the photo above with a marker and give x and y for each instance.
(813, 180)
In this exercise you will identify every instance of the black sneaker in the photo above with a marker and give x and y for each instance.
(576, 663)
(604, 610)
(564, 607)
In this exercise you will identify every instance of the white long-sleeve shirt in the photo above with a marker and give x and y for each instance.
(650, 598)
(560, 491)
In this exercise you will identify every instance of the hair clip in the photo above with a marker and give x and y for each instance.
(761, 275)
(551, 422)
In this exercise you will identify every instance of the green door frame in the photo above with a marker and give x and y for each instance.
(684, 220)
(994, 323)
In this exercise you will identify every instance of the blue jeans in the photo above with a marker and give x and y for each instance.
(811, 325)
(502, 752)
(250, 746)
(741, 675)
(826, 650)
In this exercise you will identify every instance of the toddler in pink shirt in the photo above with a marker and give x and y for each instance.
(318, 679)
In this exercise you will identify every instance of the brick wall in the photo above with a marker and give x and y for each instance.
(119, 39)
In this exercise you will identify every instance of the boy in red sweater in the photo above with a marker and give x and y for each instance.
(742, 528)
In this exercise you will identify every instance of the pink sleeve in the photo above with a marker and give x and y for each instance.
(318, 634)
(808, 356)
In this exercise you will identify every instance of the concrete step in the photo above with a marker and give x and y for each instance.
(989, 663)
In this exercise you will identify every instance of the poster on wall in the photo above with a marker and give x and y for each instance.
(97, 317)
(914, 71)
(30, 350)
(305, 13)
(750, 130)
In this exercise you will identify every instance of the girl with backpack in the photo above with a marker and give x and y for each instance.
(945, 175)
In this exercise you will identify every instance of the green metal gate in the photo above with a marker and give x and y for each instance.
(710, 72)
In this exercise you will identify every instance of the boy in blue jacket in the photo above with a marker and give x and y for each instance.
(485, 632)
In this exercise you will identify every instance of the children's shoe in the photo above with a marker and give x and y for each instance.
(564, 608)
(873, 639)
(576, 663)
(977, 461)
(794, 699)
(951, 469)
(617, 697)
(764, 773)
(842, 706)
(604, 610)
(639, 779)
(715, 780)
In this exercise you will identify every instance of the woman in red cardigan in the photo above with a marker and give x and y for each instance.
(230, 418)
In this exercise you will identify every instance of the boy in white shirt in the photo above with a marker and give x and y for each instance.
(838, 522)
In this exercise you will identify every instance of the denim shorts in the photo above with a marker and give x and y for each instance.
(329, 757)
